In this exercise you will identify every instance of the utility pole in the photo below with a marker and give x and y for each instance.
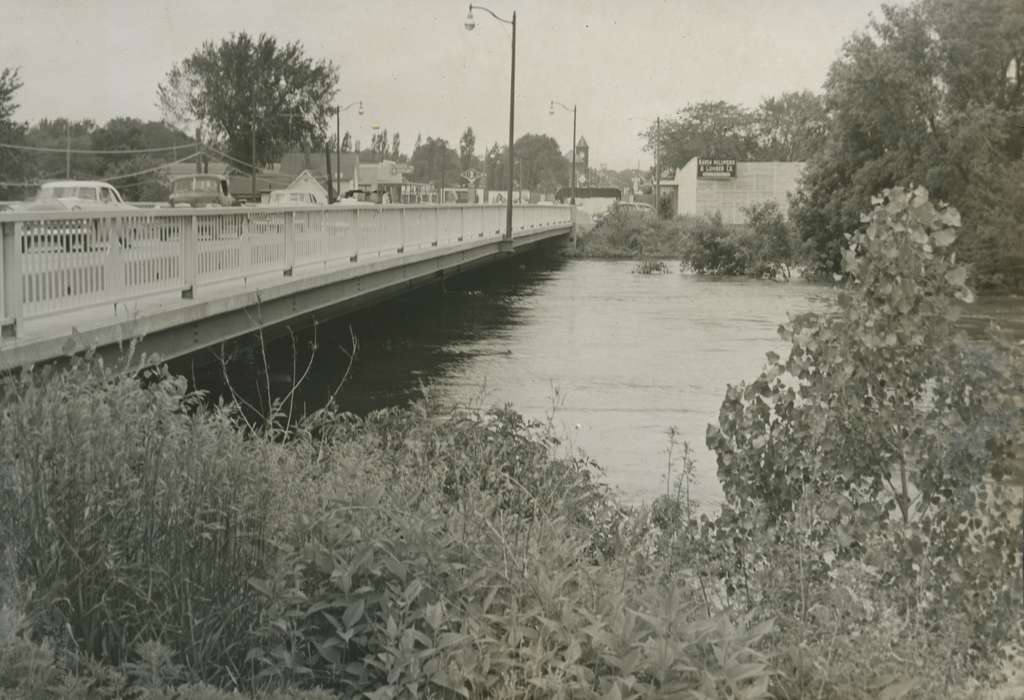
(657, 169)
(67, 150)
(337, 144)
(254, 161)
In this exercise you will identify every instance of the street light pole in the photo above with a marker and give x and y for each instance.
(470, 24)
(551, 110)
(338, 109)
(253, 139)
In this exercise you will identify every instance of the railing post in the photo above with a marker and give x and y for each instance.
(189, 258)
(289, 242)
(437, 228)
(401, 220)
(357, 233)
(10, 279)
(113, 264)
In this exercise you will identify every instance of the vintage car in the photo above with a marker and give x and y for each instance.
(64, 234)
(200, 190)
(288, 198)
(73, 195)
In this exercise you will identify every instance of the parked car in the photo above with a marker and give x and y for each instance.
(354, 198)
(641, 209)
(73, 235)
(73, 195)
(200, 190)
(286, 198)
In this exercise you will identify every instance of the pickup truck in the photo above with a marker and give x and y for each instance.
(200, 190)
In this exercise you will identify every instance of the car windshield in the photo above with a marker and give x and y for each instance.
(66, 192)
(196, 184)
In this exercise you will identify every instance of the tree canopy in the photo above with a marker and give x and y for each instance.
(13, 164)
(436, 162)
(241, 86)
(929, 94)
(789, 127)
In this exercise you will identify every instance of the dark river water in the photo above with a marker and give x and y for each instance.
(615, 359)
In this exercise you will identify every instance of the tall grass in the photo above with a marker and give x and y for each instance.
(141, 516)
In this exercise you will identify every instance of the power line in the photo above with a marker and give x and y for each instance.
(153, 169)
(84, 151)
(37, 183)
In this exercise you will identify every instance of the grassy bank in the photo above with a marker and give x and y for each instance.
(867, 546)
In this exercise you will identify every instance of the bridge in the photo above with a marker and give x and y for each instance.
(185, 279)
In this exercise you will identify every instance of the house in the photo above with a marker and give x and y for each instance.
(707, 186)
(306, 182)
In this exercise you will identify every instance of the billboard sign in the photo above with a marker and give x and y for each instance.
(717, 168)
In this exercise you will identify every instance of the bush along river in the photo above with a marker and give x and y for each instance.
(614, 359)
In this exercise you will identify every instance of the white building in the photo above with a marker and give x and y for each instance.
(706, 186)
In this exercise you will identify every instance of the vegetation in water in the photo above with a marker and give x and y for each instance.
(866, 548)
(765, 247)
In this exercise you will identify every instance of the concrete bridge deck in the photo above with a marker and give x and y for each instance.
(182, 280)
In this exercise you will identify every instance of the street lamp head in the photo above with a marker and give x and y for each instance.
(361, 112)
(551, 109)
(470, 22)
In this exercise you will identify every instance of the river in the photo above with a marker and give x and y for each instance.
(614, 359)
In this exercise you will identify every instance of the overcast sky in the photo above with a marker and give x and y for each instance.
(419, 71)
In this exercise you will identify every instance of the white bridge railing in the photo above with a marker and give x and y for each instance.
(57, 262)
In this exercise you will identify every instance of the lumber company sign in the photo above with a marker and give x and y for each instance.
(718, 168)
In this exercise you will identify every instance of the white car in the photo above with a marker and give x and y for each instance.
(290, 198)
(73, 195)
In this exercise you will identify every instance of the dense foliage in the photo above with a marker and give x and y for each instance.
(931, 94)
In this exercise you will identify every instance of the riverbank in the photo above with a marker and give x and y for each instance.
(419, 550)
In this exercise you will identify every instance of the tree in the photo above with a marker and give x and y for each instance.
(435, 161)
(244, 86)
(396, 142)
(918, 99)
(58, 134)
(346, 143)
(493, 159)
(540, 164)
(790, 127)
(467, 148)
(712, 129)
(14, 165)
(129, 133)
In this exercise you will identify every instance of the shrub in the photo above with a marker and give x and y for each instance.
(877, 451)
(464, 558)
(625, 234)
(710, 247)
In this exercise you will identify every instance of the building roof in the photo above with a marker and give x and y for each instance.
(582, 144)
(295, 163)
(306, 182)
(176, 169)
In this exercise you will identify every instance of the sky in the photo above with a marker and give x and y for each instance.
(418, 71)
